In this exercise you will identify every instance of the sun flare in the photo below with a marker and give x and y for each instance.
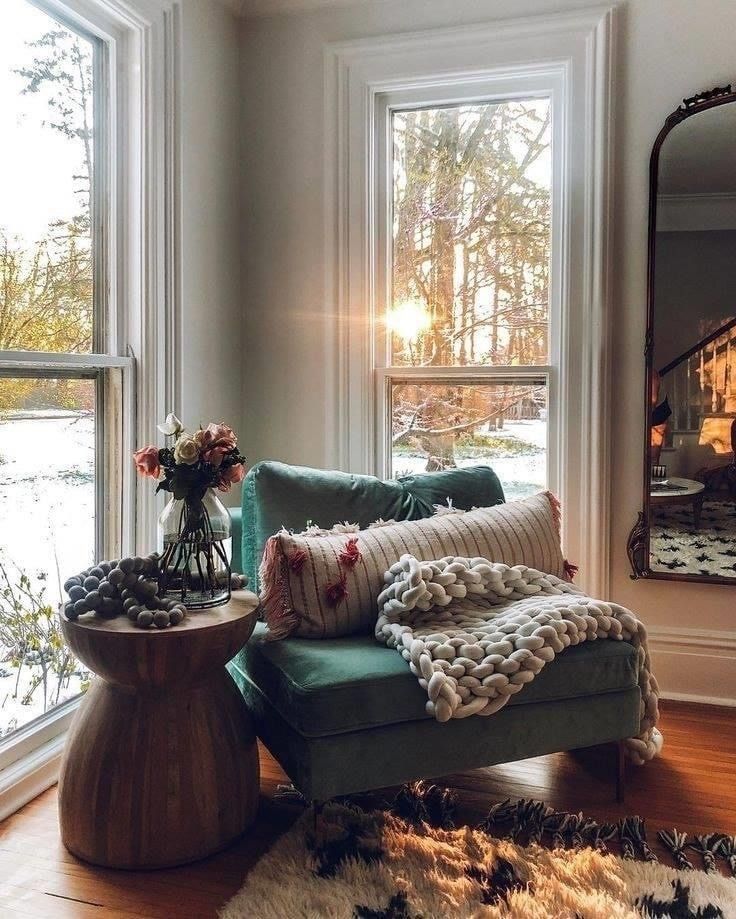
(408, 319)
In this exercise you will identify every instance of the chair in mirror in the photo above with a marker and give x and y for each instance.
(687, 529)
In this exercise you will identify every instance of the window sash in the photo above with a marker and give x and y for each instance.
(387, 377)
(490, 88)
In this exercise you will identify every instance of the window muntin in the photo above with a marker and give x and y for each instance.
(471, 228)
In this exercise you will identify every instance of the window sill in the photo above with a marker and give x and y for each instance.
(30, 759)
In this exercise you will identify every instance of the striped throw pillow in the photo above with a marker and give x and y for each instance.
(324, 586)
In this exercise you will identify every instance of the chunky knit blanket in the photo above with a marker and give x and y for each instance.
(475, 632)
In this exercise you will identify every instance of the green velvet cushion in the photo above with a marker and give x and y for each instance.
(276, 495)
(345, 684)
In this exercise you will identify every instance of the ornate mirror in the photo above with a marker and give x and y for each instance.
(687, 530)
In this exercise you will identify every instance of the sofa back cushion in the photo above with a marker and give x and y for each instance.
(324, 586)
(277, 496)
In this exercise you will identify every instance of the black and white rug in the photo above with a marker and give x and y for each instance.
(710, 550)
(411, 862)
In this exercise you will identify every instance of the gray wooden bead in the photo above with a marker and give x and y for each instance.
(145, 618)
(116, 577)
(93, 599)
(161, 619)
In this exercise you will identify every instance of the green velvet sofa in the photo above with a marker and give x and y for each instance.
(319, 705)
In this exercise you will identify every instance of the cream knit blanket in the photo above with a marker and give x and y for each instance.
(474, 632)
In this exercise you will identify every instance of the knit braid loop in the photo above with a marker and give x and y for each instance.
(475, 632)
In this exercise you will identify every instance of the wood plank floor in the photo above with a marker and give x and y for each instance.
(692, 786)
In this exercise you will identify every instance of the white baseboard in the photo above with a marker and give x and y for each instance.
(26, 778)
(694, 665)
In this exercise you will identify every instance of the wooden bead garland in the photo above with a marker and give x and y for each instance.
(128, 585)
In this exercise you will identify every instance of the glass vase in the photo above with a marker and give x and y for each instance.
(195, 536)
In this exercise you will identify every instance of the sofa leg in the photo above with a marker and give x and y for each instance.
(620, 772)
(317, 807)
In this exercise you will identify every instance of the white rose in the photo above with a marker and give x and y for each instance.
(171, 426)
(186, 450)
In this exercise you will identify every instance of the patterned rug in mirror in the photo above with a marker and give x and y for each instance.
(526, 861)
(677, 546)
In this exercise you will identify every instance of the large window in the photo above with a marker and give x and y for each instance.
(59, 385)
(468, 287)
(468, 243)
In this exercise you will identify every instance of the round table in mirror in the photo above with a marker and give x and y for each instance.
(687, 529)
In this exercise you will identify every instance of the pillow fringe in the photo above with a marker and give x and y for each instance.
(281, 618)
(554, 503)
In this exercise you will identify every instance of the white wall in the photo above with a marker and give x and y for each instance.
(211, 178)
(667, 49)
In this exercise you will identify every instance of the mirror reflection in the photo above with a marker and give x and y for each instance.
(692, 503)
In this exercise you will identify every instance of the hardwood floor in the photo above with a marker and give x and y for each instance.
(692, 786)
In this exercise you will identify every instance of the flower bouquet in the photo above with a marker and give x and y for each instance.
(195, 527)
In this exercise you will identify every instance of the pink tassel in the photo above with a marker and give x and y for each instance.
(350, 555)
(554, 502)
(337, 592)
(570, 570)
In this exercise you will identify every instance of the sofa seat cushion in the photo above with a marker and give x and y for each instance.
(337, 685)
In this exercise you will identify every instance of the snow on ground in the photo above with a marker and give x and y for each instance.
(520, 475)
(46, 523)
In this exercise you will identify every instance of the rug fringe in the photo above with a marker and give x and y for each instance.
(421, 802)
(707, 845)
(675, 842)
(633, 836)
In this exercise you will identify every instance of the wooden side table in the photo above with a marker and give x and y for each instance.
(161, 764)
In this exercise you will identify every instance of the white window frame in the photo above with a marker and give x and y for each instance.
(137, 187)
(496, 88)
(567, 56)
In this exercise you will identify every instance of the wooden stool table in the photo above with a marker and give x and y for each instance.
(161, 765)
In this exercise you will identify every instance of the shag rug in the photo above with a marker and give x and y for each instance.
(410, 863)
(711, 549)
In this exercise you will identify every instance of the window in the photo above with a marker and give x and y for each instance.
(468, 243)
(60, 385)
(468, 287)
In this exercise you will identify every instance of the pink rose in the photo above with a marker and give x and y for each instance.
(231, 475)
(215, 441)
(146, 462)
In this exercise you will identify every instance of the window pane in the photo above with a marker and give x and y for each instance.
(47, 532)
(504, 425)
(46, 174)
(471, 234)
